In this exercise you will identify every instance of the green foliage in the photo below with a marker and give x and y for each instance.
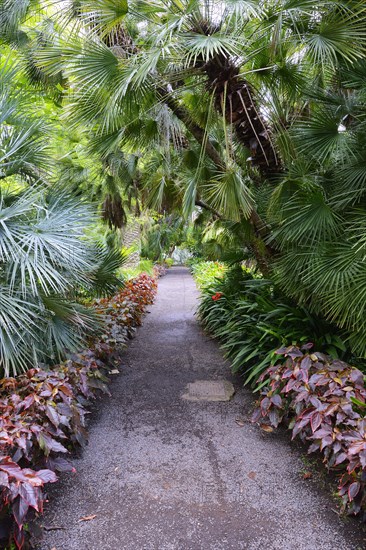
(162, 235)
(167, 104)
(162, 112)
(48, 267)
(205, 273)
(45, 266)
(144, 266)
(167, 100)
(318, 213)
(252, 319)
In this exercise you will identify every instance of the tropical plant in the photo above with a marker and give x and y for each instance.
(252, 319)
(161, 235)
(43, 411)
(323, 401)
(318, 211)
(205, 273)
(251, 111)
(46, 263)
(45, 268)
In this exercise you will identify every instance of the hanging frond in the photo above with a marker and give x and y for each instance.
(230, 195)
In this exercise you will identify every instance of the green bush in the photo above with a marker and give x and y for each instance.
(205, 273)
(252, 320)
(144, 266)
(48, 271)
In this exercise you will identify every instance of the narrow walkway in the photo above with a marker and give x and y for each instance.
(162, 473)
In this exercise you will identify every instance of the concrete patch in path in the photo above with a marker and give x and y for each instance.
(209, 390)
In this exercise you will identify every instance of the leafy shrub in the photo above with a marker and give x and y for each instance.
(124, 311)
(45, 266)
(252, 320)
(144, 266)
(161, 269)
(205, 273)
(43, 411)
(22, 490)
(41, 414)
(323, 401)
(162, 233)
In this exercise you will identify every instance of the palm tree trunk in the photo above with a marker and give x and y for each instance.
(235, 98)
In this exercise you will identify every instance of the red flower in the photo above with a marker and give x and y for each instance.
(217, 296)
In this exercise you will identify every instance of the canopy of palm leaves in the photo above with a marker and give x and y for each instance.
(253, 110)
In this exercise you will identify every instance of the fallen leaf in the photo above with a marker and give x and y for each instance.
(240, 422)
(307, 475)
(252, 475)
(88, 518)
(266, 428)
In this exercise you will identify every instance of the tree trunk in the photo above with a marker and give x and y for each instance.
(235, 98)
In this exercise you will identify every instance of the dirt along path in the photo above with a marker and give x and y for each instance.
(165, 473)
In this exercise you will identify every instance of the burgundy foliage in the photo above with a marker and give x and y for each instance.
(42, 412)
(323, 401)
(160, 270)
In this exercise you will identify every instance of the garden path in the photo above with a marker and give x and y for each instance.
(163, 473)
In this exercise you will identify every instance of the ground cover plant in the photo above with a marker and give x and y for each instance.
(319, 396)
(43, 410)
(323, 401)
(252, 319)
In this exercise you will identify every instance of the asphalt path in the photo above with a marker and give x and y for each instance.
(165, 473)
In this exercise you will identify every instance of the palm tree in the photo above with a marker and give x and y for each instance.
(319, 209)
(268, 102)
(46, 263)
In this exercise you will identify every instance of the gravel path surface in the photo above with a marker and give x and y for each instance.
(162, 473)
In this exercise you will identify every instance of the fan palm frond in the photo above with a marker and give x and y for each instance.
(230, 195)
